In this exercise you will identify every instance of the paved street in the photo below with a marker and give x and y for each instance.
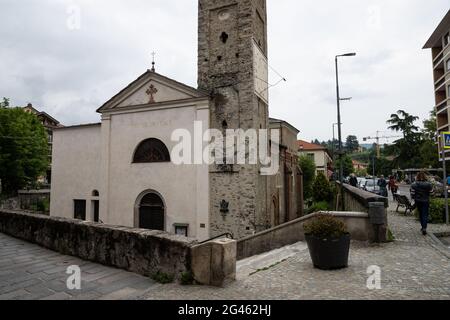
(412, 268)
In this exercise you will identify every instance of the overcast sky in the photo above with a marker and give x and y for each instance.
(69, 65)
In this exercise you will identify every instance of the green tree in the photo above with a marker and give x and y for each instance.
(4, 103)
(383, 166)
(361, 173)
(403, 122)
(347, 165)
(406, 151)
(352, 144)
(430, 126)
(23, 149)
(428, 149)
(322, 191)
(309, 173)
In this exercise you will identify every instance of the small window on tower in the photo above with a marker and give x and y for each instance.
(224, 37)
(224, 125)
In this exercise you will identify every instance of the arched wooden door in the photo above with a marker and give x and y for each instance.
(152, 212)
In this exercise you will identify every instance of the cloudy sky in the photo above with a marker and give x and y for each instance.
(69, 57)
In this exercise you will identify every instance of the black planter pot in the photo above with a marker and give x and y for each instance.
(329, 254)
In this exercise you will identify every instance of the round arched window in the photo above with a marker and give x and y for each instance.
(151, 150)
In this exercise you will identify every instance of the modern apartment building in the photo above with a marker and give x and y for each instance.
(439, 43)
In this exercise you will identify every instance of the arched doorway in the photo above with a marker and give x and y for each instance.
(151, 213)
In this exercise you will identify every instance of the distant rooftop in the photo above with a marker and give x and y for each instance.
(303, 145)
(42, 114)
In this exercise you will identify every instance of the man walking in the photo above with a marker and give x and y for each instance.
(353, 180)
(382, 183)
(422, 190)
(393, 187)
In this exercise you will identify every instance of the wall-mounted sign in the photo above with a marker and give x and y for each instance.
(446, 136)
(261, 74)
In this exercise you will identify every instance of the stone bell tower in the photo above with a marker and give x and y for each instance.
(232, 66)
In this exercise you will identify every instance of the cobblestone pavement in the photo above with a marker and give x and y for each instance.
(412, 268)
(29, 272)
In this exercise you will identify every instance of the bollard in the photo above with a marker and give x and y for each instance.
(377, 217)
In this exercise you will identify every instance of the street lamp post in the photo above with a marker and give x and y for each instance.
(334, 139)
(447, 218)
(341, 165)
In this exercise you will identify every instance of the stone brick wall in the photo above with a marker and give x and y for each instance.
(357, 224)
(356, 199)
(227, 31)
(29, 199)
(135, 250)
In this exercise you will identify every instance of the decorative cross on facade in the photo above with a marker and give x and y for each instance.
(151, 91)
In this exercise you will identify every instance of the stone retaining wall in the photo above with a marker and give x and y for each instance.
(29, 199)
(358, 200)
(358, 225)
(136, 250)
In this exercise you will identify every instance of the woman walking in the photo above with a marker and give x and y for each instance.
(422, 190)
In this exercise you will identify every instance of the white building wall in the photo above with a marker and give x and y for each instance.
(100, 158)
(184, 188)
(75, 169)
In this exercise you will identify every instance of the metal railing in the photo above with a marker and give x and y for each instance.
(228, 235)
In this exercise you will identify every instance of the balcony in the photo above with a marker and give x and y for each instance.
(440, 63)
(442, 87)
(438, 57)
(442, 106)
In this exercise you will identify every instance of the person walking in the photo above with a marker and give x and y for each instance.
(382, 183)
(393, 187)
(353, 180)
(422, 190)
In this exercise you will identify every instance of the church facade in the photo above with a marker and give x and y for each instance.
(121, 171)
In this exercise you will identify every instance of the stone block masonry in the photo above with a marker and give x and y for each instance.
(136, 250)
(357, 223)
(145, 252)
(228, 31)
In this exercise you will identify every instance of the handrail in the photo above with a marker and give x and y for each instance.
(229, 235)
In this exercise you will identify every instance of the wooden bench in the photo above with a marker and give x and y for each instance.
(404, 202)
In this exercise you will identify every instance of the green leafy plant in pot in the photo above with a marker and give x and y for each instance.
(328, 242)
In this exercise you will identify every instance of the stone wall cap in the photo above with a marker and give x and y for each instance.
(34, 191)
(184, 241)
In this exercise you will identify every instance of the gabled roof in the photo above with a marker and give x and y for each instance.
(285, 123)
(143, 80)
(303, 145)
(439, 32)
(46, 115)
(41, 114)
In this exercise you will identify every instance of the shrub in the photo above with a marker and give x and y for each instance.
(325, 226)
(309, 173)
(318, 206)
(162, 277)
(322, 189)
(43, 205)
(437, 210)
(187, 278)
